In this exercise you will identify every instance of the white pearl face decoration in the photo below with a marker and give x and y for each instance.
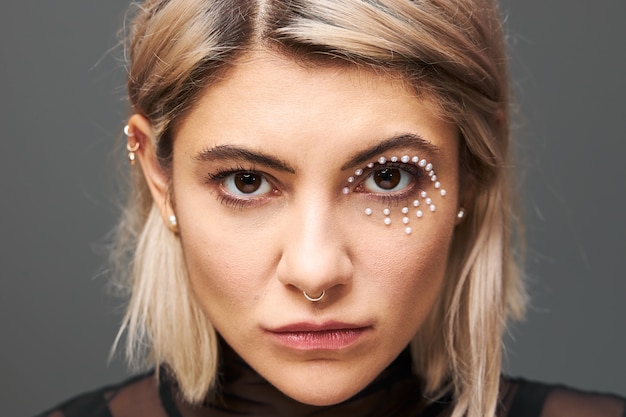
(389, 175)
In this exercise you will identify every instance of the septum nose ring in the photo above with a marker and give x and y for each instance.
(314, 299)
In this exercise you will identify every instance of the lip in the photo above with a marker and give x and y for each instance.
(327, 336)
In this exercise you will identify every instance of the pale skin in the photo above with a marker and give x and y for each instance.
(251, 252)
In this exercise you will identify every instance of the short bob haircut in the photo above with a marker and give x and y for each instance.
(452, 51)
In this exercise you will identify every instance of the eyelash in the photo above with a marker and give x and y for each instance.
(394, 198)
(227, 199)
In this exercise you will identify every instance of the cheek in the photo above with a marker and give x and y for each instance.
(406, 274)
(227, 267)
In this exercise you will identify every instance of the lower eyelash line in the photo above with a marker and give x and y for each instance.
(235, 202)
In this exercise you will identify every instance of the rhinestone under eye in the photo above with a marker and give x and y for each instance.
(387, 174)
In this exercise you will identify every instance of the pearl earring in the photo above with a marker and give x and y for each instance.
(173, 223)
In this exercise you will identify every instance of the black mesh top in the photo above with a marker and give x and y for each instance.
(396, 392)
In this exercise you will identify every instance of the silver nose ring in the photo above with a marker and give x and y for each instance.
(314, 299)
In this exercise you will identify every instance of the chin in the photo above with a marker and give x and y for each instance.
(326, 396)
(324, 391)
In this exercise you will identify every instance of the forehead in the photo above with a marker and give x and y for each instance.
(266, 102)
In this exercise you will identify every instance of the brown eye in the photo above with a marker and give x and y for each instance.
(388, 178)
(247, 184)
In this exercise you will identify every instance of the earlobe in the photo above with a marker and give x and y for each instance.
(140, 130)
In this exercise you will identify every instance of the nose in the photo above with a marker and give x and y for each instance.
(315, 256)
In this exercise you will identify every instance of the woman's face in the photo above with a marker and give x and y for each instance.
(279, 188)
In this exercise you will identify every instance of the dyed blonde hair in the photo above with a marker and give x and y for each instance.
(452, 50)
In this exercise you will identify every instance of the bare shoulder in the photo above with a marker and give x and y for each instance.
(530, 399)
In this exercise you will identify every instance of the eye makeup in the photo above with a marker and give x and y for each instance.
(398, 179)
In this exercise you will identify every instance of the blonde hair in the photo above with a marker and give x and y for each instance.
(452, 50)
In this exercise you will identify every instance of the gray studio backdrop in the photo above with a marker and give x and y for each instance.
(62, 108)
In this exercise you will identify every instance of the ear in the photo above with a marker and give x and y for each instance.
(158, 181)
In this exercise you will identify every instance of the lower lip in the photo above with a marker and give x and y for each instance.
(320, 340)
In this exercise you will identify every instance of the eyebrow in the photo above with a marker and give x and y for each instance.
(403, 140)
(233, 152)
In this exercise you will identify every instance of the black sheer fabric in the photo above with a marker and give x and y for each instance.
(396, 392)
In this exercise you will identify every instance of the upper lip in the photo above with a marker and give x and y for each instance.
(316, 327)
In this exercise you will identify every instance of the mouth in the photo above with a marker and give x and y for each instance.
(328, 337)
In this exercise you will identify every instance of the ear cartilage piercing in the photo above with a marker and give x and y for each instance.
(131, 152)
(127, 132)
(131, 148)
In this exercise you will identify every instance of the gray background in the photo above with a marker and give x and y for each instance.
(62, 108)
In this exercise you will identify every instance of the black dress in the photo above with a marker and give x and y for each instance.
(396, 392)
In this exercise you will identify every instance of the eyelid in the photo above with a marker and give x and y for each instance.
(417, 172)
(229, 199)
